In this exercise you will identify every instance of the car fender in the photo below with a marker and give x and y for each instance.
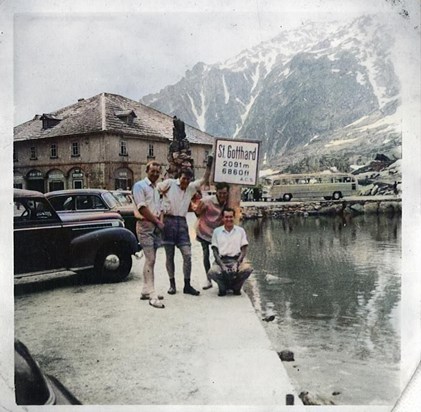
(84, 248)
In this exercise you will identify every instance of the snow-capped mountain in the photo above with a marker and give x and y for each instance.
(320, 94)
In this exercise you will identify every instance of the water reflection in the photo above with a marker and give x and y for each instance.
(333, 282)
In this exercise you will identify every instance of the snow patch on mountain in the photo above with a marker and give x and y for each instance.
(226, 93)
(245, 114)
(199, 114)
(341, 142)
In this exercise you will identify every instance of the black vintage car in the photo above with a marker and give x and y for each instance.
(85, 200)
(91, 242)
(33, 386)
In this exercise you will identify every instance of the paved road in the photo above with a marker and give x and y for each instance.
(109, 347)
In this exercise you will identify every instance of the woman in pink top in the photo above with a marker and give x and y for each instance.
(210, 211)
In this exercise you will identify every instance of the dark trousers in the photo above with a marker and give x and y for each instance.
(232, 279)
(206, 254)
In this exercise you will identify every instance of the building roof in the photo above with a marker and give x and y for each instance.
(105, 113)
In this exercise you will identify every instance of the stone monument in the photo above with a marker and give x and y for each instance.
(179, 153)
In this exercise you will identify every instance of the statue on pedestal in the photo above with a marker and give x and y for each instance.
(179, 153)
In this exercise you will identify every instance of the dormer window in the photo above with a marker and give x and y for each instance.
(49, 121)
(127, 116)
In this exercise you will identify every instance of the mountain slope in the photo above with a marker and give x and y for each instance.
(322, 91)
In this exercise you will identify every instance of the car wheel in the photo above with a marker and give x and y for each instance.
(337, 195)
(113, 263)
(287, 197)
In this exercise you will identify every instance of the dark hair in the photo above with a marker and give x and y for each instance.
(152, 163)
(187, 172)
(228, 209)
(221, 185)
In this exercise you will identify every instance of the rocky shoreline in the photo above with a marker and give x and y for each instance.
(318, 208)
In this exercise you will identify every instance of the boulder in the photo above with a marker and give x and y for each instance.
(387, 207)
(286, 356)
(314, 399)
(381, 157)
(371, 207)
(366, 190)
(275, 279)
(331, 209)
(357, 208)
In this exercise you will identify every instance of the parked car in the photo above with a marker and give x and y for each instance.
(252, 194)
(99, 200)
(124, 197)
(46, 241)
(33, 386)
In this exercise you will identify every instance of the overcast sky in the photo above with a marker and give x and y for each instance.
(62, 53)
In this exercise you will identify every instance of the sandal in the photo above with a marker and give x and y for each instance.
(146, 297)
(156, 303)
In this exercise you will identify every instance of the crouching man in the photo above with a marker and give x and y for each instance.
(229, 246)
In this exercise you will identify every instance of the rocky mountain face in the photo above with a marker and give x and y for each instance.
(319, 96)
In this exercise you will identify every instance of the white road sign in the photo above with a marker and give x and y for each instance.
(236, 161)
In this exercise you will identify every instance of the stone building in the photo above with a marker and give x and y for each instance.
(101, 142)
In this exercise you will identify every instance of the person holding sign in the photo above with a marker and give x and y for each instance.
(177, 195)
(229, 246)
(209, 212)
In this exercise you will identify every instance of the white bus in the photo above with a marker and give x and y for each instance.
(308, 185)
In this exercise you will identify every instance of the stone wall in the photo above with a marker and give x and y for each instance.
(339, 207)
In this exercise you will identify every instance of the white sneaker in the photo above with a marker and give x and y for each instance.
(139, 255)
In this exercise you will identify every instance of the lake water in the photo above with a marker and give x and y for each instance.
(334, 288)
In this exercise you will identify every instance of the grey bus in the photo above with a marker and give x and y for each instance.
(308, 186)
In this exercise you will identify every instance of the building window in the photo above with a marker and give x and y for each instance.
(33, 153)
(127, 116)
(55, 185)
(206, 156)
(123, 148)
(151, 151)
(49, 120)
(75, 149)
(15, 156)
(53, 151)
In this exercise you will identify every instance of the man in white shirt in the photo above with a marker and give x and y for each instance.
(148, 228)
(177, 195)
(229, 246)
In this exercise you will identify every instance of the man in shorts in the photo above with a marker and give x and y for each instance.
(177, 195)
(148, 228)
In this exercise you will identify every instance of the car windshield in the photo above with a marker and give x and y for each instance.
(110, 200)
(122, 198)
(32, 209)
